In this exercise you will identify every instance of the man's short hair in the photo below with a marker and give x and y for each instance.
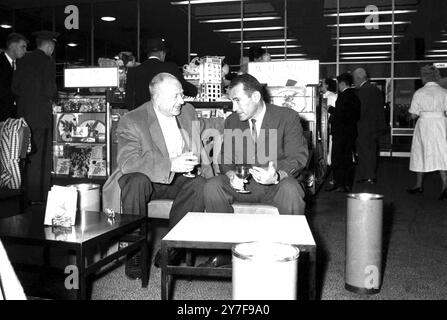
(430, 73)
(331, 84)
(158, 79)
(361, 73)
(346, 78)
(249, 83)
(15, 37)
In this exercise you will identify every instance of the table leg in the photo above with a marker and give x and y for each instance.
(164, 275)
(312, 273)
(80, 262)
(144, 258)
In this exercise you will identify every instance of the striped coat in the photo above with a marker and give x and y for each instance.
(10, 176)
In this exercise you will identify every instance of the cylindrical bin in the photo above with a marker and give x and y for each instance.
(88, 196)
(265, 271)
(364, 221)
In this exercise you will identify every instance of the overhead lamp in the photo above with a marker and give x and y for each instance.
(364, 53)
(264, 41)
(179, 3)
(354, 44)
(278, 47)
(367, 13)
(108, 18)
(193, 54)
(365, 57)
(298, 59)
(362, 24)
(436, 55)
(249, 29)
(239, 19)
(5, 25)
(441, 41)
(437, 50)
(289, 55)
(367, 37)
(72, 44)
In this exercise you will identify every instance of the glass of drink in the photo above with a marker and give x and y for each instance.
(242, 172)
(190, 174)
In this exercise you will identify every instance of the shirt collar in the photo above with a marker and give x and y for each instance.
(432, 83)
(154, 57)
(9, 58)
(259, 117)
(361, 85)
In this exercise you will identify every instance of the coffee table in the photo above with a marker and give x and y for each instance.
(198, 230)
(93, 230)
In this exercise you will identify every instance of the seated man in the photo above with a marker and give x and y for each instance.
(154, 144)
(270, 140)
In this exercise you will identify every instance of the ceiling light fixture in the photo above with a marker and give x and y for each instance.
(441, 41)
(5, 25)
(276, 47)
(366, 44)
(364, 13)
(436, 55)
(193, 54)
(108, 18)
(437, 50)
(249, 29)
(367, 37)
(264, 41)
(239, 19)
(72, 44)
(179, 3)
(364, 53)
(362, 24)
(289, 55)
(365, 57)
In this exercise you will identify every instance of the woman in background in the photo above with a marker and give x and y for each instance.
(429, 146)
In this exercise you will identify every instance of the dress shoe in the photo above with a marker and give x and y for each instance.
(443, 195)
(416, 190)
(218, 261)
(174, 257)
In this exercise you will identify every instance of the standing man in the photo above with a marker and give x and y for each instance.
(34, 83)
(370, 126)
(344, 117)
(138, 78)
(15, 49)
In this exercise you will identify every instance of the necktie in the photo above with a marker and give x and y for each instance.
(254, 132)
(13, 64)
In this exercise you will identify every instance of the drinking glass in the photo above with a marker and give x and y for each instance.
(242, 172)
(190, 174)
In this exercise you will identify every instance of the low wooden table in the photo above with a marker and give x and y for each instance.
(198, 230)
(91, 231)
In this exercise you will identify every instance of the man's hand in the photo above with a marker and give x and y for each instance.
(265, 175)
(236, 183)
(184, 162)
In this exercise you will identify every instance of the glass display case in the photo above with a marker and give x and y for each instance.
(80, 137)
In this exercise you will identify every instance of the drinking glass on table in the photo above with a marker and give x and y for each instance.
(196, 158)
(242, 172)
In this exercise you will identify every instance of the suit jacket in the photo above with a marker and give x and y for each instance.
(142, 148)
(34, 83)
(345, 115)
(7, 108)
(290, 145)
(138, 79)
(372, 114)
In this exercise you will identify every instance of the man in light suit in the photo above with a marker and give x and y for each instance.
(370, 126)
(15, 49)
(138, 78)
(153, 145)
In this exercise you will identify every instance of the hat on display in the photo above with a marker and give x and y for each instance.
(46, 35)
(155, 44)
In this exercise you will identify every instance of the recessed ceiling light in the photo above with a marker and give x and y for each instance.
(193, 54)
(72, 44)
(366, 44)
(367, 37)
(436, 55)
(367, 13)
(249, 29)
(363, 53)
(278, 47)
(437, 50)
(177, 3)
(442, 41)
(289, 55)
(5, 25)
(362, 24)
(263, 41)
(365, 57)
(108, 18)
(239, 19)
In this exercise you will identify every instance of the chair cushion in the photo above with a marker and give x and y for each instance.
(159, 209)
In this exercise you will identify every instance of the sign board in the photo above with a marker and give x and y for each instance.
(298, 73)
(91, 77)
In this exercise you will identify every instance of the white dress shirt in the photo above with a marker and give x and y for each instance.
(171, 133)
(11, 61)
(259, 118)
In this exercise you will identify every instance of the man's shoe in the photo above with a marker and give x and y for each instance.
(218, 261)
(416, 190)
(174, 257)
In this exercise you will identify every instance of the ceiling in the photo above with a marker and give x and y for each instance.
(309, 27)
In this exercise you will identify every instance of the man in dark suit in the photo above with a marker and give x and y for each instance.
(15, 49)
(34, 83)
(344, 119)
(153, 155)
(370, 126)
(138, 78)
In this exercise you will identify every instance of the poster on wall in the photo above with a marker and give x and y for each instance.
(106, 77)
(296, 73)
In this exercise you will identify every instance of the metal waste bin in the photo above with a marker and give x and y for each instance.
(265, 271)
(88, 196)
(364, 222)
